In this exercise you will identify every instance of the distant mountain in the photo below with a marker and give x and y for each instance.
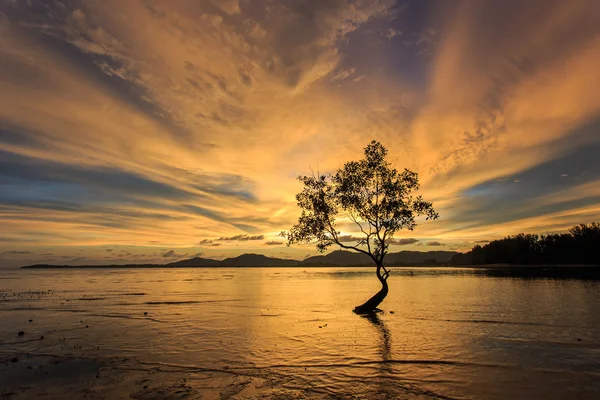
(257, 260)
(339, 257)
(195, 262)
(52, 266)
(347, 258)
(335, 258)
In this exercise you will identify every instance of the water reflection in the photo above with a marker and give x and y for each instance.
(456, 333)
(385, 372)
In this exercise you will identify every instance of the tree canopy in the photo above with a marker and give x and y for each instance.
(377, 198)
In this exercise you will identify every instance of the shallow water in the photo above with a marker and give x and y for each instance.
(445, 333)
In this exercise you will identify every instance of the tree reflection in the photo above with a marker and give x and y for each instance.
(385, 373)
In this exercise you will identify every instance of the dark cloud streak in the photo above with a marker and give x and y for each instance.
(241, 238)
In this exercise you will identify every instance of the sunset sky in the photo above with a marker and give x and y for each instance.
(151, 131)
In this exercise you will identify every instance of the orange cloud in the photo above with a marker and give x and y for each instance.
(148, 123)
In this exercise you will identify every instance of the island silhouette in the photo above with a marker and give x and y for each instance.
(339, 258)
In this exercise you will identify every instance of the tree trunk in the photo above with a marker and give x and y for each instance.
(370, 306)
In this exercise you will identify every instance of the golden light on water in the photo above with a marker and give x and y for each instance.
(289, 332)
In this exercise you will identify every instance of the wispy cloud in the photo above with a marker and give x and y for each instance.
(135, 140)
(274, 243)
(16, 252)
(209, 243)
(171, 254)
(403, 242)
(435, 244)
(241, 238)
(350, 238)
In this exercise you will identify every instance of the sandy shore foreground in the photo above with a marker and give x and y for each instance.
(28, 376)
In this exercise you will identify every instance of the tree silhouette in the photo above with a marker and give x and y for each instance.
(579, 246)
(372, 195)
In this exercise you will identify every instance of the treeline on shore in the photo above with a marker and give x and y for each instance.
(580, 245)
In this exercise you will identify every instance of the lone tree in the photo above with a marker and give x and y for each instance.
(371, 194)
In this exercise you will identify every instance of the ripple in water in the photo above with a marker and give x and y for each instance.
(290, 333)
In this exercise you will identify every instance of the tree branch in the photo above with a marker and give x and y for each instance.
(343, 246)
(368, 235)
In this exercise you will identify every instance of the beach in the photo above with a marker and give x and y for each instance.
(289, 333)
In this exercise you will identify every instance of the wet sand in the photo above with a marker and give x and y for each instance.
(26, 376)
(52, 377)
